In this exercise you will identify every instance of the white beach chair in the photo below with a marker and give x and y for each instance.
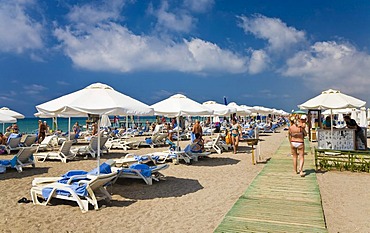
(214, 145)
(92, 148)
(63, 154)
(23, 158)
(30, 139)
(142, 171)
(89, 190)
(49, 143)
(13, 144)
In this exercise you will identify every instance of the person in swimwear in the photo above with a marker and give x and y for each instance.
(296, 135)
(236, 133)
(198, 144)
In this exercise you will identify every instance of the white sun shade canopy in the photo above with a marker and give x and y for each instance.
(332, 99)
(219, 109)
(7, 119)
(240, 111)
(12, 113)
(180, 105)
(96, 99)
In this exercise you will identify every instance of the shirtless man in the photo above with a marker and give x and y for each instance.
(197, 128)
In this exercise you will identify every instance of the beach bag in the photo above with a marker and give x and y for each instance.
(228, 139)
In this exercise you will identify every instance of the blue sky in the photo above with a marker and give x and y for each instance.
(276, 54)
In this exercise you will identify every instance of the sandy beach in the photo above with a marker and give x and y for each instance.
(193, 198)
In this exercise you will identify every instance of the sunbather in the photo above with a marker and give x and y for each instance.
(198, 144)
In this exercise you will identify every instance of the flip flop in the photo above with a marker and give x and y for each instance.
(24, 200)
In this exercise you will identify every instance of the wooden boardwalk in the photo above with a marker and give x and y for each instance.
(278, 200)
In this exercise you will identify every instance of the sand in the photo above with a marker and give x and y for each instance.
(193, 198)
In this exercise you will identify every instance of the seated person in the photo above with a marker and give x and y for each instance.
(327, 123)
(198, 144)
(3, 139)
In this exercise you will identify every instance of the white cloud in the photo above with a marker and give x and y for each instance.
(332, 65)
(34, 89)
(111, 47)
(279, 36)
(90, 14)
(258, 62)
(199, 6)
(19, 31)
(178, 20)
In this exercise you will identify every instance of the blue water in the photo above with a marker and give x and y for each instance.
(30, 125)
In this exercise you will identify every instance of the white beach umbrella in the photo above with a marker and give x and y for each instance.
(12, 113)
(6, 119)
(363, 120)
(98, 99)
(6, 111)
(105, 121)
(332, 99)
(240, 111)
(179, 105)
(219, 109)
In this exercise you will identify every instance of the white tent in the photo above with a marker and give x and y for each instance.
(98, 99)
(219, 109)
(179, 105)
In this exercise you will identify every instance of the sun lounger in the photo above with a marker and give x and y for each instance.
(82, 187)
(214, 145)
(132, 158)
(92, 148)
(49, 143)
(63, 154)
(23, 158)
(120, 143)
(142, 171)
(13, 144)
(29, 140)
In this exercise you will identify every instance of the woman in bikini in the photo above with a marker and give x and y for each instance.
(296, 135)
(236, 132)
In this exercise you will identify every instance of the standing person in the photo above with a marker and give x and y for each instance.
(351, 124)
(197, 128)
(42, 131)
(296, 135)
(236, 132)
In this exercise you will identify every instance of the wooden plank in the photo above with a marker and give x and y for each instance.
(278, 200)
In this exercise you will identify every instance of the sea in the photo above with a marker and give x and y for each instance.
(30, 125)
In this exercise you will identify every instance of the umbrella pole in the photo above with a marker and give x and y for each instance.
(331, 128)
(3, 128)
(178, 134)
(69, 128)
(98, 155)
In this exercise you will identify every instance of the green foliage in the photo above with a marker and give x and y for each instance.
(354, 163)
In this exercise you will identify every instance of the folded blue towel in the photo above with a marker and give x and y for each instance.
(144, 169)
(78, 189)
(9, 162)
